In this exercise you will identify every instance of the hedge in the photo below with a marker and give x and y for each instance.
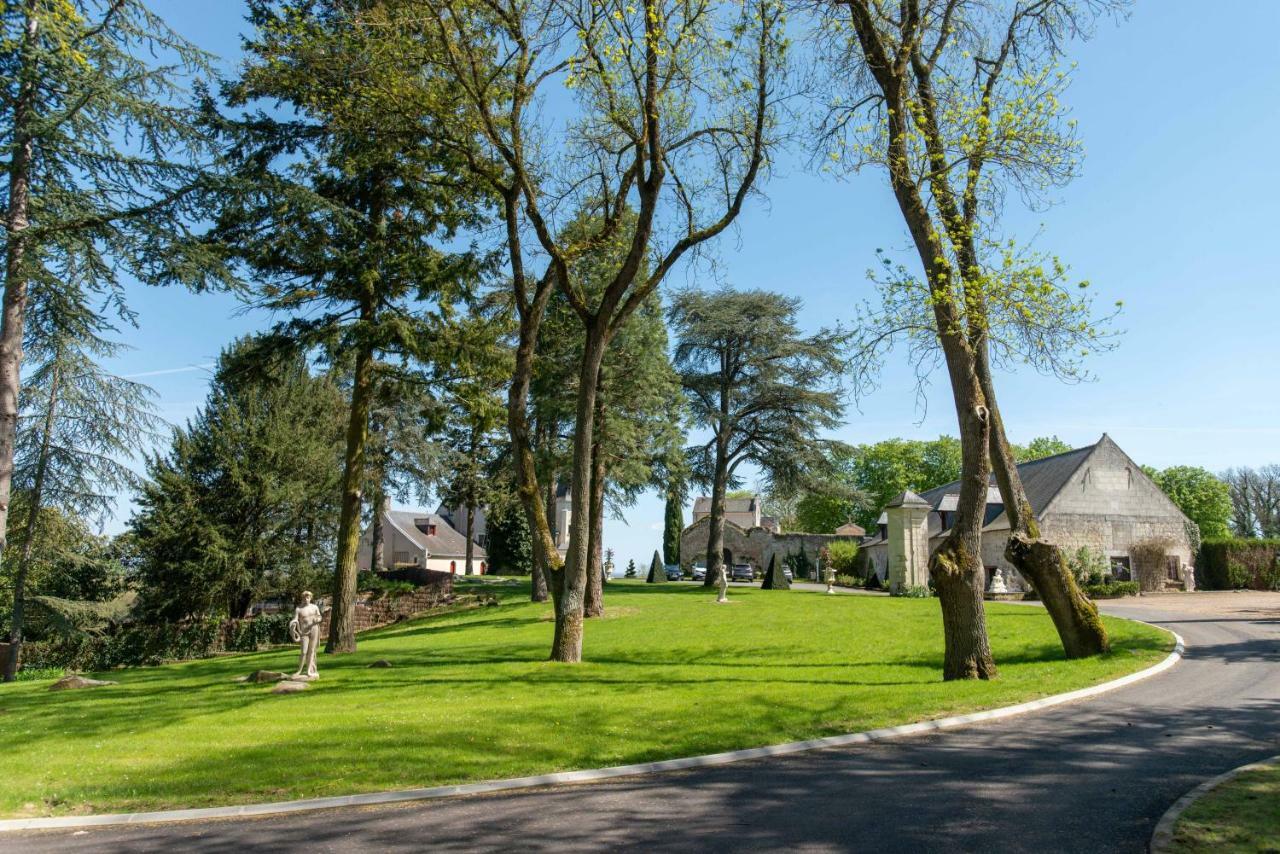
(1236, 564)
(1112, 589)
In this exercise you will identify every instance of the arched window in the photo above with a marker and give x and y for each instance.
(453, 566)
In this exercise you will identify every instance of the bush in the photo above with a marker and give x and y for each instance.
(32, 674)
(379, 587)
(1236, 564)
(1112, 589)
(843, 555)
(915, 591)
(1149, 562)
(848, 581)
(1086, 565)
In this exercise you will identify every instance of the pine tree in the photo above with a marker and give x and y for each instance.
(103, 164)
(78, 428)
(244, 504)
(673, 524)
(340, 216)
(631, 569)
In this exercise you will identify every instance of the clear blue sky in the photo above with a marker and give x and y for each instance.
(1174, 214)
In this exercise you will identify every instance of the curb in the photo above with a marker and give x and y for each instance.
(1163, 835)
(594, 774)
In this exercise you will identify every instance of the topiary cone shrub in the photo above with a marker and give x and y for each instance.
(774, 577)
(657, 572)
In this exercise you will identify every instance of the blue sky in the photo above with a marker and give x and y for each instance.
(1174, 214)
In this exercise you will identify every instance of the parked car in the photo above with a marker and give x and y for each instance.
(673, 572)
(742, 572)
(699, 573)
(786, 572)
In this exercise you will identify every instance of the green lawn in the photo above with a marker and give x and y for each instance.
(1241, 815)
(470, 697)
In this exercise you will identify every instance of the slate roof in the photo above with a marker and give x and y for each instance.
(1042, 479)
(447, 541)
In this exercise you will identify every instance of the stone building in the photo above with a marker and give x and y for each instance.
(1094, 497)
(414, 538)
(749, 536)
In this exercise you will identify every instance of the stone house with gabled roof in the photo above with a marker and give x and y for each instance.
(1094, 497)
(414, 538)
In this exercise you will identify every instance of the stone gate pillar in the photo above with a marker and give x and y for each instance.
(908, 541)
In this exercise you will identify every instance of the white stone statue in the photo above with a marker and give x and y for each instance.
(305, 627)
(997, 582)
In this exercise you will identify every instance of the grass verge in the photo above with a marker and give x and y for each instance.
(1241, 815)
(471, 697)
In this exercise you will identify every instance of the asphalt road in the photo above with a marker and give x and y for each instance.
(1092, 776)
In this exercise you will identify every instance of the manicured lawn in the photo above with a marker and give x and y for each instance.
(470, 697)
(1241, 815)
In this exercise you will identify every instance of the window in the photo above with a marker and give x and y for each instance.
(1174, 567)
(431, 530)
(1120, 569)
(453, 566)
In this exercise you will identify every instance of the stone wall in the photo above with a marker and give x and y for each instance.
(755, 546)
(434, 589)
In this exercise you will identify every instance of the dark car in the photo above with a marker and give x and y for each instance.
(742, 572)
(699, 573)
(674, 573)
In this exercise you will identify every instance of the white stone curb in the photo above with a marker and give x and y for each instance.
(1163, 834)
(594, 774)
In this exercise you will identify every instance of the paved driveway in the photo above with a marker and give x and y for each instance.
(1090, 777)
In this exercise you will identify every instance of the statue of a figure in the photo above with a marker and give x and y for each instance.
(305, 627)
(997, 582)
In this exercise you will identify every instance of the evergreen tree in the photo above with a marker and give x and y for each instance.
(509, 545)
(673, 524)
(762, 389)
(102, 161)
(631, 569)
(657, 572)
(340, 216)
(774, 577)
(78, 428)
(244, 504)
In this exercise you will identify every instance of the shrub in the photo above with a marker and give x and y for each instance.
(848, 581)
(1237, 564)
(1112, 590)
(32, 674)
(1085, 564)
(915, 591)
(1149, 558)
(843, 555)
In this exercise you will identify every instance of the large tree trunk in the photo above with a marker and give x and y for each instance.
(546, 560)
(956, 566)
(377, 553)
(594, 605)
(15, 281)
(33, 527)
(342, 629)
(1039, 561)
(569, 591)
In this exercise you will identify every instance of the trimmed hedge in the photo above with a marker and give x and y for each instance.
(1112, 589)
(1236, 564)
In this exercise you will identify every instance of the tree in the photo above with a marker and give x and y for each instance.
(608, 563)
(958, 101)
(1255, 500)
(78, 428)
(674, 123)
(1204, 498)
(1039, 448)
(763, 390)
(102, 164)
(509, 545)
(657, 572)
(672, 525)
(340, 215)
(843, 555)
(631, 569)
(244, 504)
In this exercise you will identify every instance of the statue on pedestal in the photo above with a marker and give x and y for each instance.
(997, 582)
(305, 627)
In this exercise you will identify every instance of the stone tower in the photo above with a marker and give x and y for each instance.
(908, 525)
